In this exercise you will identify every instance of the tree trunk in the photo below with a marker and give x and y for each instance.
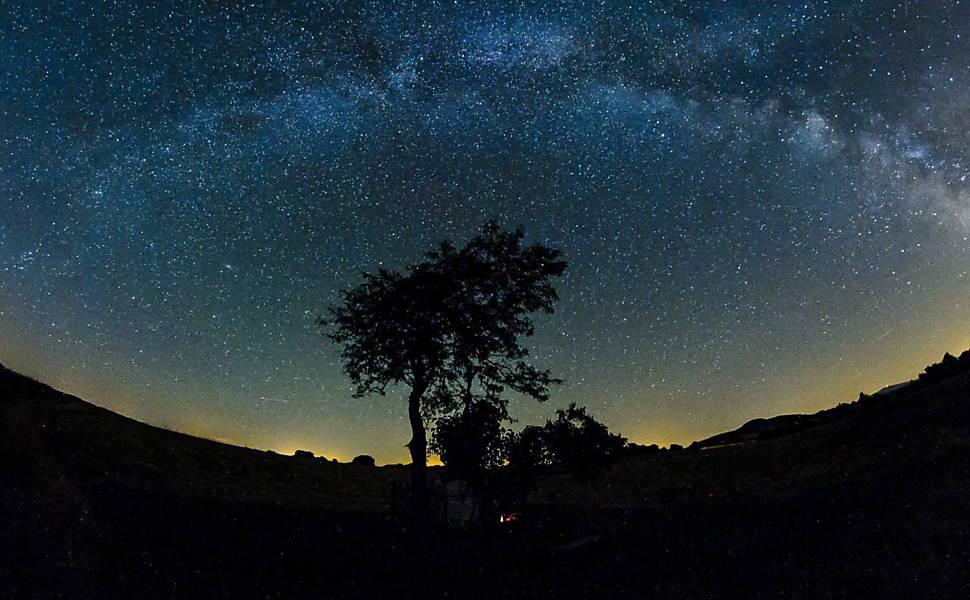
(419, 453)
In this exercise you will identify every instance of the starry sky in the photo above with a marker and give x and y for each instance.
(765, 206)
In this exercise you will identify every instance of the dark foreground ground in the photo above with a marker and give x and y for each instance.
(872, 501)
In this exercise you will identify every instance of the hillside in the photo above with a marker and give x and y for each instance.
(866, 499)
(59, 433)
(919, 434)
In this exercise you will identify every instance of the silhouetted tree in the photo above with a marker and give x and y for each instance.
(527, 455)
(449, 328)
(575, 441)
(471, 442)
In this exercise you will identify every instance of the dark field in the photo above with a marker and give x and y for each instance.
(873, 500)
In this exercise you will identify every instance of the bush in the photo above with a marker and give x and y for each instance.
(575, 441)
(641, 450)
(948, 367)
(364, 460)
(472, 442)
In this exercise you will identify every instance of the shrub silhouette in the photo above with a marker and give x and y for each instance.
(472, 442)
(574, 441)
(948, 367)
(364, 460)
(581, 443)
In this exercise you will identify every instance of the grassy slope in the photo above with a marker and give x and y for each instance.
(874, 503)
(63, 436)
(870, 504)
(909, 435)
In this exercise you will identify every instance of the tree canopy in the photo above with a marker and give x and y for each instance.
(574, 440)
(472, 442)
(450, 328)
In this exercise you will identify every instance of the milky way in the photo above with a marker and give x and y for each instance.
(765, 206)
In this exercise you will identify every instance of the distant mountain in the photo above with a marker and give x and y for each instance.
(764, 428)
(759, 429)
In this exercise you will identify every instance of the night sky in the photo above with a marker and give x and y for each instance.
(765, 206)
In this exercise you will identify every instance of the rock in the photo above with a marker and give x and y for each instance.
(303, 454)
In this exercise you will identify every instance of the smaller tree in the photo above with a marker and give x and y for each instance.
(527, 455)
(581, 443)
(472, 443)
(575, 441)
